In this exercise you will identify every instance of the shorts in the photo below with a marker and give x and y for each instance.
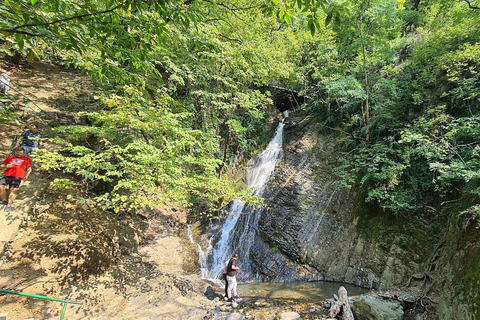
(4, 86)
(28, 151)
(11, 182)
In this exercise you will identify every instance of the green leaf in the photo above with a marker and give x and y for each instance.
(328, 19)
(311, 27)
(20, 41)
(337, 19)
(26, 16)
(30, 56)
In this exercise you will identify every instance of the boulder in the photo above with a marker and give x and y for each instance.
(371, 308)
(210, 293)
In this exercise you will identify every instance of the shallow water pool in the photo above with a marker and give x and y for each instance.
(295, 292)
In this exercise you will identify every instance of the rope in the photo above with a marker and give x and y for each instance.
(29, 100)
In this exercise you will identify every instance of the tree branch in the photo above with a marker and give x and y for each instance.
(231, 9)
(26, 33)
(230, 39)
(471, 6)
(15, 29)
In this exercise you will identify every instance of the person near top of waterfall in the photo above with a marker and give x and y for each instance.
(232, 270)
(5, 82)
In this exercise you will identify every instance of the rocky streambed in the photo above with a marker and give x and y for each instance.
(318, 300)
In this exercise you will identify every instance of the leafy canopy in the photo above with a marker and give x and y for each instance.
(180, 87)
(398, 81)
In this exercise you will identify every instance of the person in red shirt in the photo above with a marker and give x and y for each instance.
(13, 176)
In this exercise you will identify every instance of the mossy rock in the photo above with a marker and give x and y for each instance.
(370, 308)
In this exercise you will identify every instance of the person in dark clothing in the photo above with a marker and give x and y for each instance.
(30, 141)
(224, 277)
(232, 270)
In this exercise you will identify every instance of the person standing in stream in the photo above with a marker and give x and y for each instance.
(18, 168)
(232, 270)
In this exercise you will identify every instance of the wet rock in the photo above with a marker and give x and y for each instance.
(262, 304)
(224, 308)
(310, 230)
(210, 293)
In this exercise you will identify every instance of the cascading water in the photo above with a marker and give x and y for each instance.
(238, 231)
(202, 254)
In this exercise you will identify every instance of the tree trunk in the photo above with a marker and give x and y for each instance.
(343, 298)
(366, 109)
(340, 304)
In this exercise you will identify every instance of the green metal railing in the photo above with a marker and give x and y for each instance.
(65, 302)
(12, 145)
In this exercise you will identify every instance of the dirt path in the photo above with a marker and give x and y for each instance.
(35, 94)
(79, 252)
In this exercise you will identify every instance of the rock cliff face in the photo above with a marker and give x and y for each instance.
(309, 230)
(454, 274)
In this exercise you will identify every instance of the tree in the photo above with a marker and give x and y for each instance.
(181, 101)
(402, 99)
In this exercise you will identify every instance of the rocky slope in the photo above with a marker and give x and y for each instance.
(310, 228)
(119, 266)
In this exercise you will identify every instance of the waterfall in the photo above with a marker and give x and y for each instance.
(238, 231)
(202, 254)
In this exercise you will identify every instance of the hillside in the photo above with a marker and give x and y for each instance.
(78, 252)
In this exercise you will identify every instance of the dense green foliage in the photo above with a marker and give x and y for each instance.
(399, 81)
(178, 88)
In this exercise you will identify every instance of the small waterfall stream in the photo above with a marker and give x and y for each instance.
(238, 230)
